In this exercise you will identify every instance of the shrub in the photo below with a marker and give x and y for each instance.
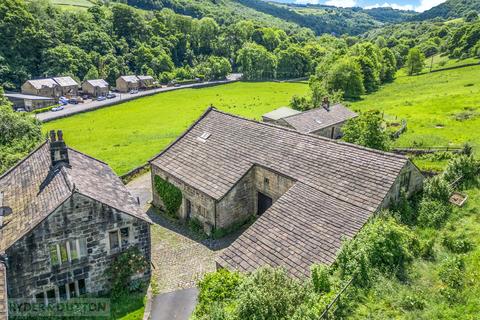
(170, 195)
(381, 246)
(300, 103)
(122, 268)
(320, 278)
(268, 294)
(412, 302)
(457, 243)
(426, 250)
(464, 167)
(433, 213)
(451, 272)
(404, 210)
(216, 289)
(437, 188)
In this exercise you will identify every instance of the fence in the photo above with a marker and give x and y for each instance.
(418, 151)
(402, 129)
(333, 306)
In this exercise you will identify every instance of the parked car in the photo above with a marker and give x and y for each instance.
(63, 100)
(58, 108)
(73, 101)
(135, 91)
(101, 98)
(111, 95)
(21, 110)
(85, 97)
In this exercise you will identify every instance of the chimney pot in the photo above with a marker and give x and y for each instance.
(60, 135)
(58, 149)
(52, 136)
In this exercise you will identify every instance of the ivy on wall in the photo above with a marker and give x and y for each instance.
(170, 195)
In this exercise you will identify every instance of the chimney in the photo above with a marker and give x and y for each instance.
(58, 148)
(326, 103)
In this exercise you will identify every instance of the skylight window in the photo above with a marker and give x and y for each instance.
(204, 136)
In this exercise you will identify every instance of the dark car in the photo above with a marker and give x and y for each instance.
(73, 101)
(85, 97)
(111, 95)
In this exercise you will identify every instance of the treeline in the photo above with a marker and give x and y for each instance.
(450, 9)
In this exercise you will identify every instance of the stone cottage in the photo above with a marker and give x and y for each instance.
(127, 83)
(66, 216)
(95, 88)
(68, 86)
(42, 87)
(307, 192)
(326, 121)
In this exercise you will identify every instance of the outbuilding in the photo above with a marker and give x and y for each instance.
(29, 102)
(95, 88)
(127, 83)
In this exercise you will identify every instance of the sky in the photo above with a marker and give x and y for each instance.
(417, 5)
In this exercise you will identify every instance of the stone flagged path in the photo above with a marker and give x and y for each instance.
(177, 305)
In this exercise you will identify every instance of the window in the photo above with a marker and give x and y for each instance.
(40, 297)
(113, 238)
(62, 292)
(81, 287)
(51, 297)
(119, 238)
(72, 290)
(67, 251)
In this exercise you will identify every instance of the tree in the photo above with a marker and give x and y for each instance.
(471, 16)
(92, 74)
(256, 62)
(214, 68)
(20, 134)
(346, 76)
(367, 130)
(389, 65)
(415, 61)
(293, 62)
(66, 60)
(371, 75)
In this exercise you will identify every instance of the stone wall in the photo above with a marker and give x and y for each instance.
(202, 206)
(30, 269)
(270, 183)
(327, 132)
(410, 178)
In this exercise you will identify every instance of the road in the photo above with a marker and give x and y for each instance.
(177, 305)
(122, 97)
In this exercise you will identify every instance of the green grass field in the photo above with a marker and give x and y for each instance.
(73, 4)
(441, 108)
(129, 134)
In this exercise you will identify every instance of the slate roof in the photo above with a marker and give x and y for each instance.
(132, 79)
(338, 186)
(26, 96)
(3, 293)
(145, 77)
(65, 81)
(33, 190)
(40, 83)
(98, 83)
(319, 118)
(280, 113)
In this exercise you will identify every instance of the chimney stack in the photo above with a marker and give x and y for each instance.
(326, 104)
(58, 148)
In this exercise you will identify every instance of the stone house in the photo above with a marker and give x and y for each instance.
(29, 102)
(146, 82)
(42, 87)
(307, 192)
(68, 86)
(95, 88)
(326, 121)
(127, 83)
(66, 216)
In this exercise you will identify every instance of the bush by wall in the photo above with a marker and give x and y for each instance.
(170, 195)
(433, 213)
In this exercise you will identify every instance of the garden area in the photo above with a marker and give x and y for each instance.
(127, 135)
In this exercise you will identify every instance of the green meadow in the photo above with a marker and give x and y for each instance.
(127, 135)
(441, 108)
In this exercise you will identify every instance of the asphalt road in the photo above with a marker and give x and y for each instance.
(176, 305)
(122, 97)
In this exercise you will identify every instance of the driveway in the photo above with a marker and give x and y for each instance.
(178, 305)
(70, 109)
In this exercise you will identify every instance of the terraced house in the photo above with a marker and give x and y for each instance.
(307, 192)
(66, 216)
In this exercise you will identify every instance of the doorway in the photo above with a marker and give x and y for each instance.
(264, 202)
(188, 209)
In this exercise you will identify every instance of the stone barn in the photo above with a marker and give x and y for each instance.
(306, 191)
(95, 88)
(146, 82)
(66, 217)
(326, 121)
(68, 86)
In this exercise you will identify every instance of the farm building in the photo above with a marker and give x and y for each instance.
(66, 217)
(146, 82)
(68, 86)
(308, 192)
(326, 121)
(95, 88)
(29, 102)
(42, 87)
(127, 83)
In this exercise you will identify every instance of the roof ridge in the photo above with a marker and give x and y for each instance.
(3, 175)
(211, 108)
(394, 155)
(86, 155)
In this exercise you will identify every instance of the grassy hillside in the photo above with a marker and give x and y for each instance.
(127, 135)
(441, 108)
(450, 9)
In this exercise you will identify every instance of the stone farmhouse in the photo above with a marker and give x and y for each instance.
(95, 88)
(308, 192)
(127, 83)
(146, 82)
(66, 216)
(51, 87)
(326, 121)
